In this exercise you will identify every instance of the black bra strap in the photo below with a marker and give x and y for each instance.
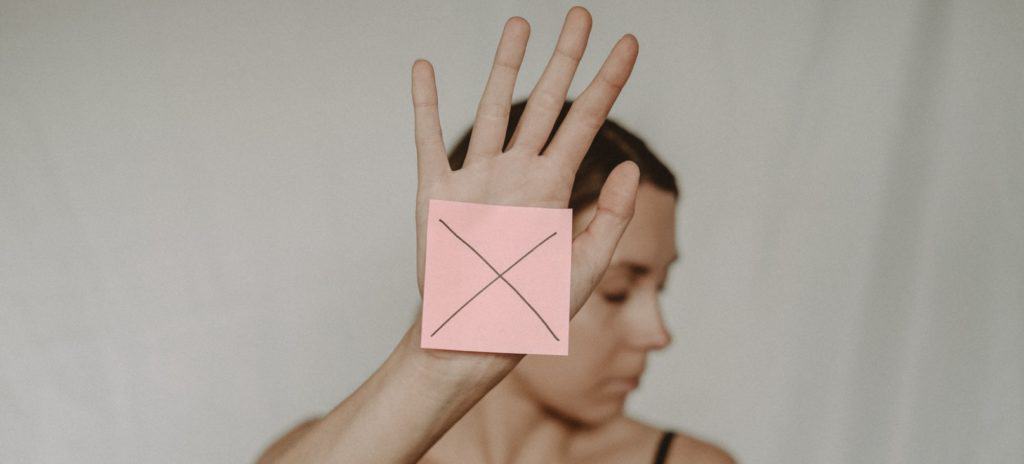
(666, 441)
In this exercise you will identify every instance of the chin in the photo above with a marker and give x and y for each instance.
(599, 412)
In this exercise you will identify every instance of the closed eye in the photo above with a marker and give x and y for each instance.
(614, 297)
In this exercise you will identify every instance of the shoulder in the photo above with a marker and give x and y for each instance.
(686, 448)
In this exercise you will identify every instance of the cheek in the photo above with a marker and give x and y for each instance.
(592, 340)
(572, 384)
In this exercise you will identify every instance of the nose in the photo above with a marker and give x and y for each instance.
(647, 330)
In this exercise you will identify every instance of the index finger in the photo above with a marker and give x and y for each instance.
(588, 112)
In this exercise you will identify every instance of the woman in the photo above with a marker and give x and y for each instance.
(436, 406)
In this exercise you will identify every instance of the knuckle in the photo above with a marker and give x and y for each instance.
(548, 100)
(572, 57)
(590, 117)
(506, 66)
(424, 103)
(610, 82)
(493, 110)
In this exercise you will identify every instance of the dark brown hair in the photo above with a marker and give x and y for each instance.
(611, 146)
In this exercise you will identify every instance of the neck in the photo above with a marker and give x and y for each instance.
(506, 426)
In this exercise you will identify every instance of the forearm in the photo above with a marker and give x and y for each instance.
(404, 407)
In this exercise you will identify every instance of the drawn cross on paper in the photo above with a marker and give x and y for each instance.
(499, 276)
(521, 304)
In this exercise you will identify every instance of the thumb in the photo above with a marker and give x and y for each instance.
(593, 248)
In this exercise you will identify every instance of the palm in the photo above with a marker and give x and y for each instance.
(506, 179)
(522, 175)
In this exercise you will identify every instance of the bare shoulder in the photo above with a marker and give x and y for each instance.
(686, 448)
(278, 448)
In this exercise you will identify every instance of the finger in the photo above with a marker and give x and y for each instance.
(492, 112)
(548, 97)
(430, 153)
(588, 112)
(593, 248)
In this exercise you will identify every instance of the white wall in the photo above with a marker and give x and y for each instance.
(206, 228)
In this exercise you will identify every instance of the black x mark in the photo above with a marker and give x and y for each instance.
(501, 276)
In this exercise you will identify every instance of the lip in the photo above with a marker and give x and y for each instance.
(625, 383)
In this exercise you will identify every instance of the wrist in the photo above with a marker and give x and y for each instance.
(462, 368)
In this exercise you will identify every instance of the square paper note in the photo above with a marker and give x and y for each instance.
(497, 278)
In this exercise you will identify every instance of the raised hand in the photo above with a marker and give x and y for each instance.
(522, 174)
(419, 394)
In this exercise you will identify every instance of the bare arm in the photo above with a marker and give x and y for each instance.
(401, 410)
(417, 395)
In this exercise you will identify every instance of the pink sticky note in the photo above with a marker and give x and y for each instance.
(497, 278)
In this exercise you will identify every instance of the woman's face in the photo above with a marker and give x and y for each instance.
(619, 324)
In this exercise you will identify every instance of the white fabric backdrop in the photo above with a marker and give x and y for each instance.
(206, 217)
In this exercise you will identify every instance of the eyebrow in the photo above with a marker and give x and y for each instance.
(638, 269)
